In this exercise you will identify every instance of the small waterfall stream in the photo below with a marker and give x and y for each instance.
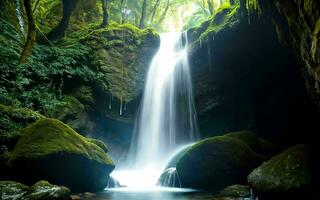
(167, 117)
(20, 17)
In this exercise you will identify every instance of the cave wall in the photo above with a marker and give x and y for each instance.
(245, 78)
(302, 19)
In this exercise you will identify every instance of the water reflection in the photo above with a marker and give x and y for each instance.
(156, 194)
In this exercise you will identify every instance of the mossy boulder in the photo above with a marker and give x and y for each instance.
(39, 191)
(51, 150)
(285, 174)
(44, 190)
(256, 143)
(12, 190)
(214, 163)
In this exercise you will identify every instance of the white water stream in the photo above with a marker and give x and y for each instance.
(167, 117)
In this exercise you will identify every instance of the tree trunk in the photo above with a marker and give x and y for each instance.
(154, 10)
(68, 7)
(105, 21)
(122, 13)
(143, 15)
(164, 14)
(31, 37)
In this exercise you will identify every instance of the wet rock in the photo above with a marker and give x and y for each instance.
(12, 190)
(169, 178)
(243, 191)
(51, 150)
(42, 190)
(285, 175)
(217, 162)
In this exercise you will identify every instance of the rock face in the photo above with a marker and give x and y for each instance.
(39, 191)
(217, 162)
(51, 150)
(287, 174)
(245, 79)
(302, 20)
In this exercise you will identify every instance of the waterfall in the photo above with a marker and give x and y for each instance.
(169, 178)
(167, 117)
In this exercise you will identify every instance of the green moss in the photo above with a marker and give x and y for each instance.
(44, 190)
(51, 136)
(12, 190)
(286, 171)
(256, 143)
(40, 190)
(226, 16)
(217, 162)
(84, 94)
(100, 144)
(236, 191)
(12, 120)
(69, 106)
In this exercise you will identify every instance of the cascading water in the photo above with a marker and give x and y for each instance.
(167, 117)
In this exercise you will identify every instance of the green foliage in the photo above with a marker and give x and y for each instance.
(12, 120)
(59, 138)
(39, 83)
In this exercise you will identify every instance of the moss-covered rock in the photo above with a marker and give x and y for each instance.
(257, 144)
(240, 191)
(41, 190)
(12, 190)
(286, 173)
(123, 53)
(12, 120)
(51, 150)
(217, 162)
(44, 190)
(75, 113)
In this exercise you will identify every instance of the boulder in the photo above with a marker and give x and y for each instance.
(288, 173)
(217, 162)
(39, 191)
(256, 143)
(51, 150)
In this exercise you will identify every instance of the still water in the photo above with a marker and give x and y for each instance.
(156, 194)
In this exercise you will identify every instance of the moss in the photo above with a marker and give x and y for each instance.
(84, 94)
(122, 53)
(219, 158)
(100, 144)
(40, 190)
(12, 190)
(236, 191)
(51, 136)
(12, 120)
(44, 190)
(69, 106)
(226, 16)
(256, 143)
(286, 171)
